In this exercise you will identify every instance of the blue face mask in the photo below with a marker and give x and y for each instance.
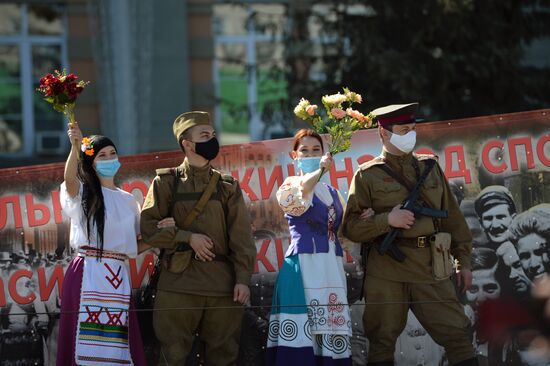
(309, 165)
(107, 168)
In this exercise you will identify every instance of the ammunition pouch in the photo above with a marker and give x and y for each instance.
(442, 261)
(178, 261)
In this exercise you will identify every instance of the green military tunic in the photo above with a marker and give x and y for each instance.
(391, 287)
(202, 296)
(374, 188)
(231, 234)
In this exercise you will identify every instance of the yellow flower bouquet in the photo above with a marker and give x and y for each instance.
(340, 120)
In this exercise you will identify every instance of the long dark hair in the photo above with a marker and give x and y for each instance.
(93, 205)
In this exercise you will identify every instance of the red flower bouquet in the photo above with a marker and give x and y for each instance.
(61, 91)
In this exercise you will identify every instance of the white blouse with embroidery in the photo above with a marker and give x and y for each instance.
(292, 200)
(121, 227)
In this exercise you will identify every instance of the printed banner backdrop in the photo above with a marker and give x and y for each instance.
(511, 150)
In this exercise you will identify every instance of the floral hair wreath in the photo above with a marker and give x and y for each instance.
(87, 146)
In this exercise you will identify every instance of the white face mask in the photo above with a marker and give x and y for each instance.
(404, 143)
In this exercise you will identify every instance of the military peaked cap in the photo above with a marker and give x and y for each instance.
(492, 196)
(396, 114)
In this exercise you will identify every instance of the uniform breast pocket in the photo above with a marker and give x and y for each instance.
(386, 187)
(387, 194)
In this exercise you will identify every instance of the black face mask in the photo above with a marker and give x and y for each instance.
(208, 149)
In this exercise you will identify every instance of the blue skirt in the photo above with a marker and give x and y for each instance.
(309, 326)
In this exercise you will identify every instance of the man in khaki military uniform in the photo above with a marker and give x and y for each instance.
(393, 287)
(208, 264)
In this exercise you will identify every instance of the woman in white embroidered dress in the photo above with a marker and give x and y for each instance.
(96, 326)
(313, 271)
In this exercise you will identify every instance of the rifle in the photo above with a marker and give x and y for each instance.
(410, 203)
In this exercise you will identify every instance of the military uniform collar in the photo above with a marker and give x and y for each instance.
(193, 172)
(397, 159)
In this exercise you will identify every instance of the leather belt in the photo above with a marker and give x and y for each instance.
(418, 242)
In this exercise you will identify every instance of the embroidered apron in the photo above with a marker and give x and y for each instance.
(102, 329)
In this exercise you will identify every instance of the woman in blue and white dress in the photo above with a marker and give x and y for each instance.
(310, 320)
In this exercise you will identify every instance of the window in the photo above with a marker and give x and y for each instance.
(257, 47)
(32, 43)
(249, 69)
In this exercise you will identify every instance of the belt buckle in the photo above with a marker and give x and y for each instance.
(421, 242)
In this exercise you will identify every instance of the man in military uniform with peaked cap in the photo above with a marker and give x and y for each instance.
(496, 209)
(207, 261)
(392, 287)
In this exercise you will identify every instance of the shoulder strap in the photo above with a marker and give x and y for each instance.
(373, 162)
(199, 206)
(165, 171)
(176, 173)
(224, 178)
(223, 200)
(429, 166)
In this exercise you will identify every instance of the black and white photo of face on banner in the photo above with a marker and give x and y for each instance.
(510, 252)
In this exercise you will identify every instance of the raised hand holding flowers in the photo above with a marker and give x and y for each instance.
(61, 91)
(340, 120)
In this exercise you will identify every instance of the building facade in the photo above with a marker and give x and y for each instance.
(246, 62)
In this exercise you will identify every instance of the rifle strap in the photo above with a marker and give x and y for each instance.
(410, 186)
